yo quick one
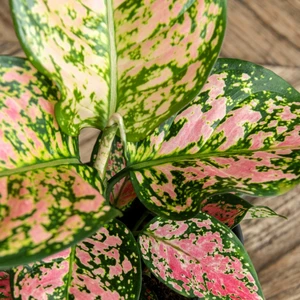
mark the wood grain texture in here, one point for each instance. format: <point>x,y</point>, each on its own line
<point>9,44</point>
<point>265,32</point>
<point>274,246</point>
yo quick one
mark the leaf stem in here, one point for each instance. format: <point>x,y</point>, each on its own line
<point>69,278</point>
<point>141,220</point>
<point>112,181</point>
<point>136,233</point>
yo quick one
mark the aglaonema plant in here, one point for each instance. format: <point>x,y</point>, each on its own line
<point>183,136</point>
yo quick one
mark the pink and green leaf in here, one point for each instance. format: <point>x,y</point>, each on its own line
<point>136,59</point>
<point>29,133</point>
<point>48,201</point>
<point>5,290</point>
<point>241,134</point>
<point>106,265</point>
<point>231,209</point>
<point>199,257</point>
<point>46,210</point>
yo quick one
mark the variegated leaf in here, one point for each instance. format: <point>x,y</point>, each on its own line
<point>261,212</point>
<point>29,133</point>
<point>48,209</point>
<point>105,266</point>
<point>48,200</point>
<point>199,257</point>
<point>143,60</point>
<point>231,209</point>
<point>5,290</point>
<point>240,135</point>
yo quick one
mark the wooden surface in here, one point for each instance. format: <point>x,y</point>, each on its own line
<point>265,32</point>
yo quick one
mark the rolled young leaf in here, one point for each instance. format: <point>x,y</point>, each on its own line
<point>142,60</point>
<point>48,201</point>
<point>240,135</point>
<point>199,257</point>
<point>104,266</point>
<point>231,209</point>
<point>122,193</point>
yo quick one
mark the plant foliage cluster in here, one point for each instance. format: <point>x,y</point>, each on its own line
<point>183,136</point>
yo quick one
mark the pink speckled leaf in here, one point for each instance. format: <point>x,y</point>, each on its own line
<point>231,209</point>
<point>199,257</point>
<point>240,135</point>
<point>144,60</point>
<point>105,266</point>
<point>29,133</point>
<point>5,290</point>
<point>48,200</point>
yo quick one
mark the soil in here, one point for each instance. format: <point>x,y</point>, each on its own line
<point>161,291</point>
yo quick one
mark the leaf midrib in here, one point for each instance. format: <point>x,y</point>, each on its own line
<point>175,158</point>
<point>135,166</point>
<point>52,163</point>
<point>160,239</point>
<point>69,278</point>
<point>112,59</point>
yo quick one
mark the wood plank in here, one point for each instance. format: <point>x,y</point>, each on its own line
<point>264,31</point>
<point>7,32</point>
<point>9,44</point>
<point>281,280</point>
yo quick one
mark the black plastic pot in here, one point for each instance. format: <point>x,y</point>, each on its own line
<point>237,230</point>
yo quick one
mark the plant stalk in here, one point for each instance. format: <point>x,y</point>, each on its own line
<point>112,181</point>
<point>140,221</point>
